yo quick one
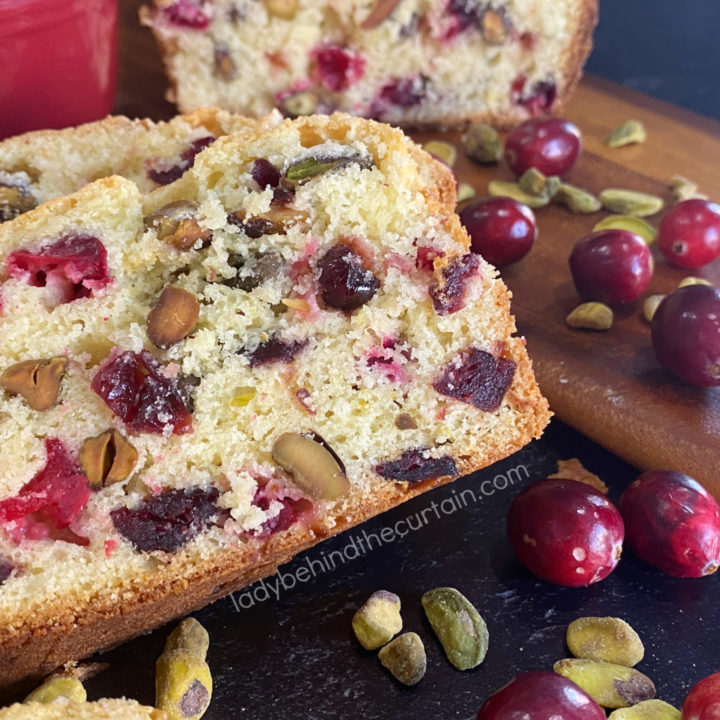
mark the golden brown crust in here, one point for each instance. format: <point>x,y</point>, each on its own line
<point>77,626</point>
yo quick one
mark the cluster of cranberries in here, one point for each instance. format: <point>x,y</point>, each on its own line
<point>503,230</point>
<point>546,696</point>
<point>570,534</point>
<point>613,266</point>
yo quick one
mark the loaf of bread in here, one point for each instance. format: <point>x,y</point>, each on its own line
<point>67,710</point>
<point>408,62</point>
<point>44,164</point>
<point>198,384</point>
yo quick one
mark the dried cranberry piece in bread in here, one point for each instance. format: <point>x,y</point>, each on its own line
<point>167,521</point>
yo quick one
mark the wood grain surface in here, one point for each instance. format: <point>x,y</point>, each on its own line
<point>607,385</point>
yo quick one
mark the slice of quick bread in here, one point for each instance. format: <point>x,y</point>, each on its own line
<point>67,710</point>
<point>407,62</point>
<point>40,165</point>
<point>197,385</point>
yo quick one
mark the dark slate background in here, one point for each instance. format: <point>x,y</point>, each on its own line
<point>665,48</point>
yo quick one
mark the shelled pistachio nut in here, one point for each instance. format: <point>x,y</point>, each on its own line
<point>533,182</point>
<point>638,226</point>
<point>189,635</point>
<point>55,688</point>
<point>377,620</point>
<point>607,639</point>
<point>465,192</point>
<point>590,316</point>
<point>183,685</point>
<point>631,131</point>
<point>650,306</point>
<point>405,658</point>
<point>630,202</point>
<point>499,188</point>
<point>458,625</point>
<point>646,710</point>
<point>690,280</point>
<point>481,143</point>
<point>298,104</point>
<point>685,189</point>
<point>610,685</point>
<point>440,149</point>
<point>576,199</point>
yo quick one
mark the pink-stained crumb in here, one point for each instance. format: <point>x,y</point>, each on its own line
<point>110,546</point>
<point>171,370</point>
<point>390,360</point>
<point>398,262</point>
<point>441,413</point>
<point>295,506</point>
<point>313,313</point>
<point>360,246</point>
<point>311,246</point>
<point>426,255</point>
<point>306,401</point>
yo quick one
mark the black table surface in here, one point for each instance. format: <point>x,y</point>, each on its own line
<point>284,647</point>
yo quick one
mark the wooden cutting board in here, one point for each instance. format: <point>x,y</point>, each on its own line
<point>607,385</point>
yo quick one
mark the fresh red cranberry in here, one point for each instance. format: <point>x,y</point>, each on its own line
<point>448,296</point>
<point>134,387</point>
<point>565,532</point>
<point>672,523</point>
<point>703,700</point>
<point>165,175</point>
<point>540,695</point>
<point>478,378</point>
<point>337,68</point>
<point>265,174</point>
<point>405,92</point>
<point>47,504</point>
<point>169,520</point>
<point>540,98</point>
<point>549,144</point>
<point>73,266</point>
<point>345,283</point>
<point>611,266</point>
<point>187,13</point>
<point>686,334</point>
<point>501,230</point>
<point>274,349</point>
<point>689,233</point>
<point>416,465</point>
